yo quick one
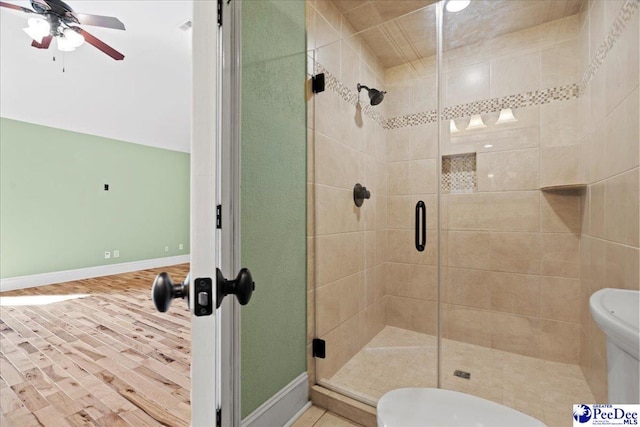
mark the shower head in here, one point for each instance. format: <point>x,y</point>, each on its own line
<point>375,96</point>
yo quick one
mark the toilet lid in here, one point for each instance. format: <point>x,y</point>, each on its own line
<point>432,407</point>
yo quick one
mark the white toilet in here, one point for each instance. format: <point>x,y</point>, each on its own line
<point>433,407</point>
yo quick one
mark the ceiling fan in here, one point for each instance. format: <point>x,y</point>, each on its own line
<point>55,18</point>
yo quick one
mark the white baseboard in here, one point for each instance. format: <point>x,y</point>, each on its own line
<point>22,282</point>
<point>284,407</point>
<point>299,414</point>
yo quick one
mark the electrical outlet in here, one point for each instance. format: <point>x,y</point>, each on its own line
<point>166,248</point>
<point>116,253</point>
<point>181,246</point>
<point>107,255</point>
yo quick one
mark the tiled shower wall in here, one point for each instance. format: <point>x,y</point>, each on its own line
<point>349,147</point>
<point>610,144</point>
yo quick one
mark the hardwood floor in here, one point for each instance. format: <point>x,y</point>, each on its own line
<point>105,359</point>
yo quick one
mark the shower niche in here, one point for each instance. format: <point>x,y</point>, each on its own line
<point>459,173</point>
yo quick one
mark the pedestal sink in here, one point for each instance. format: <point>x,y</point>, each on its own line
<point>617,313</point>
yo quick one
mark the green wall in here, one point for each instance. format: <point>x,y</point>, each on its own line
<point>55,214</point>
<point>273,196</point>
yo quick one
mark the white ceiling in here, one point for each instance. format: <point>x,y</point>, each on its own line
<point>144,99</point>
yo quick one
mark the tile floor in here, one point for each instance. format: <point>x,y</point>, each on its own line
<point>400,358</point>
<point>318,417</point>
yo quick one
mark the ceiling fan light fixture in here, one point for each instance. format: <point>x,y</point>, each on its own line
<point>37,29</point>
<point>74,38</point>
<point>64,45</point>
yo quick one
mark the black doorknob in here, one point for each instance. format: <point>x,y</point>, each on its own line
<point>164,291</point>
<point>242,286</point>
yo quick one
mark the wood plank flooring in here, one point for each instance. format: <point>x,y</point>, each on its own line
<point>107,359</point>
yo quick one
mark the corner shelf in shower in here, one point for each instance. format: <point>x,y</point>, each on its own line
<point>562,187</point>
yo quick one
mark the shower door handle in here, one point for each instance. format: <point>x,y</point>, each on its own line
<point>421,226</point>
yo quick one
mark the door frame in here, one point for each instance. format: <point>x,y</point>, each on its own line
<point>230,173</point>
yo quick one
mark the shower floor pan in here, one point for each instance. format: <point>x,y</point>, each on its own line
<point>398,358</point>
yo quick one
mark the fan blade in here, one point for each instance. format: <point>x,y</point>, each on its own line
<point>15,7</point>
<point>46,41</point>
<point>96,42</point>
<point>99,21</point>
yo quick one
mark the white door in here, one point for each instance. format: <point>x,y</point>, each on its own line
<point>200,287</point>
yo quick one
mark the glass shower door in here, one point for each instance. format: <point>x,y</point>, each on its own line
<point>511,228</point>
<point>374,286</point>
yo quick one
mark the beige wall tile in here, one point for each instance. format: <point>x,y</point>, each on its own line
<point>559,123</point>
<point>508,170</point>
<point>375,284</point>
<point>515,74</point>
<point>336,212</point>
<point>516,334</point>
<point>337,164</point>
<point>559,64</point>
<point>561,212</point>
<point>621,133</point>
<point>327,308</point>
<point>621,65</point>
<point>596,143</point>
<point>560,165</point>
<point>622,208</point>
<point>351,296</point>
<point>411,280</point>
<point>512,211</point>
<point>399,311</point>
<point>469,288</point>
<point>466,324</point>
<point>338,255</point>
<point>598,384</point>
<point>561,297</point>
<point>401,247</point>
<point>596,209</point>
<point>560,255</point>
<point>328,103</point>
<point>515,293</point>
<point>401,211</point>
<point>470,249</point>
<point>560,341</point>
<point>329,55</point>
<point>515,252</point>
<point>622,266</point>
<point>350,63</point>
<point>468,84</point>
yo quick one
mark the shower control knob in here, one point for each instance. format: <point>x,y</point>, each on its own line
<point>164,291</point>
<point>359,194</point>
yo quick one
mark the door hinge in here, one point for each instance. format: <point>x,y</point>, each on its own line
<point>319,348</point>
<point>317,83</point>
<point>219,418</point>
<point>219,13</point>
<point>219,216</point>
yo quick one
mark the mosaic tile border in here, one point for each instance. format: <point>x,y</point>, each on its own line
<point>628,9</point>
<point>521,100</point>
